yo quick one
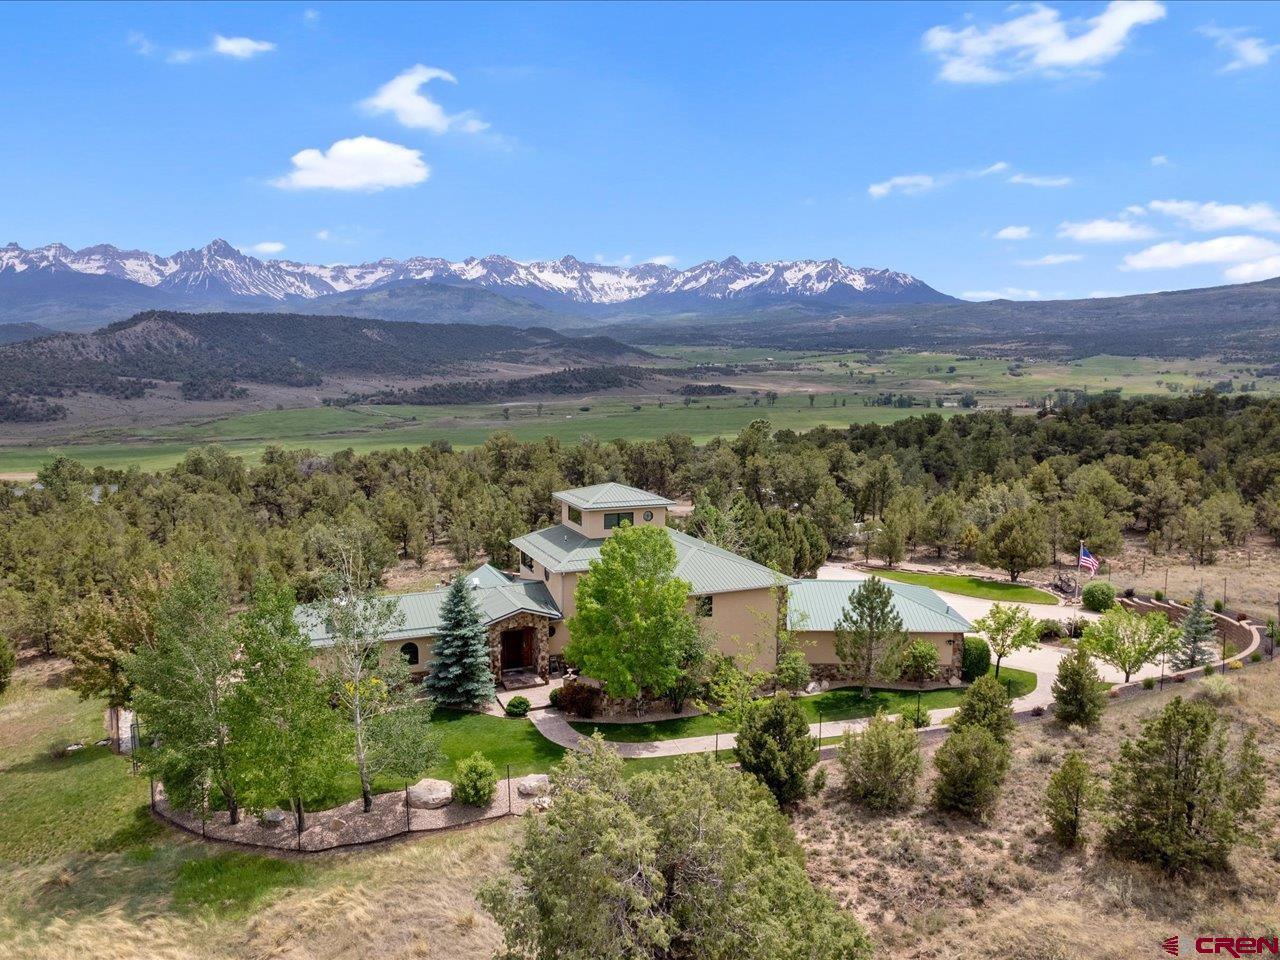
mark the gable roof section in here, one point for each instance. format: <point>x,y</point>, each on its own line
<point>707,569</point>
<point>818,604</point>
<point>610,496</point>
<point>420,612</point>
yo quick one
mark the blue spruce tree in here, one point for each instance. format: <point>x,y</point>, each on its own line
<point>1199,635</point>
<point>461,674</point>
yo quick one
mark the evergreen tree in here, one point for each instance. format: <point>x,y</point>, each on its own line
<point>1073,790</point>
<point>461,666</point>
<point>986,704</point>
<point>869,633</point>
<point>1199,635</point>
<point>774,746</point>
<point>1077,690</point>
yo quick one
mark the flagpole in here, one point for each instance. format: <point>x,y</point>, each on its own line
<point>1079,558</point>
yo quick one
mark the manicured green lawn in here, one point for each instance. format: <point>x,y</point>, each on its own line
<point>846,703</point>
<point>970,586</point>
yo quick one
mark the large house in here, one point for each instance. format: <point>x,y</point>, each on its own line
<point>735,599</point>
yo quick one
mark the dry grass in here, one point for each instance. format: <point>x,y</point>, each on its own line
<point>929,885</point>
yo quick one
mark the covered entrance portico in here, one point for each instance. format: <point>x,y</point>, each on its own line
<point>518,647</point>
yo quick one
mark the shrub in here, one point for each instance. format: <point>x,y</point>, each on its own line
<point>1218,606</point>
<point>1178,799</point>
<point>1075,627</point>
<point>1255,657</point>
<point>1077,697</point>
<point>476,782</point>
<point>1050,630</point>
<point>920,662</point>
<point>518,706</point>
<point>1159,595</point>
<point>976,660</point>
<point>8,660</point>
<point>1129,593</point>
<point>1148,683</point>
<point>1209,669</point>
<point>1072,790</point>
<point>580,699</point>
<point>881,765</point>
<point>774,746</point>
<point>1235,665</point>
<point>1217,689</point>
<point>793,672</point>
<point>1098,596</point>
<point>971,765</point>
<point>986,704</point>
<point>555,697</point>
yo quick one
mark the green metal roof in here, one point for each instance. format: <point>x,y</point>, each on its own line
<point>707,569</point>
<point>818,604</point>
<point>421,611</point>
<point>611,496</point>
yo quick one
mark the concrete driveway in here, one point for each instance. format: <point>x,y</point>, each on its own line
<point>1043,662</point>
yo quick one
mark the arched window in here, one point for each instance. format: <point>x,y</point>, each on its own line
<point>410,653</point>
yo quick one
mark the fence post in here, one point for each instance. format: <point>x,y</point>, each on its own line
<point>717,750</point>
<point>408,827</point>
<point>819,709</point>
<point>510,800</point>
<point>153,793</point>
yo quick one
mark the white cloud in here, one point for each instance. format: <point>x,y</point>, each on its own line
<point>1052,259</point>
<point>905,183</point>
<point>1013,233</point>
<point>141,45</point>
<point>358,163</point>
<point>1159,160</point>
<point>267,246</point>
<point>1034,181</point>
<point>1037,42</point>
<point>310,15</point>
<point>1263,269</point>
<point>1246,52</point>
<point>664,259</point>
<point>240,48</point>
<point>1220,216</point>
<point>1105,231</point>
<point>912,183</point>
<point>403,97</point>
<point>1008,293</point>
<point>1175,253</point>
<point>323,234</point>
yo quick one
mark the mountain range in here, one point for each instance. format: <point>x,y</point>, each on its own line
<point>70,289</point>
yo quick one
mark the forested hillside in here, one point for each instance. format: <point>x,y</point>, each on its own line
<point>1190,474</point>
<point>291,349</point>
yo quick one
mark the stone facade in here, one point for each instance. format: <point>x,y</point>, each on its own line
<point>541,646</point>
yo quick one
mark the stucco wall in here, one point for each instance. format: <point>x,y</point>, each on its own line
<point>743,625</point>
<point>593,520</point>
<point>820,649</point>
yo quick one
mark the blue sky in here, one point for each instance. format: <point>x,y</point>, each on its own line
<point>1130,147</point>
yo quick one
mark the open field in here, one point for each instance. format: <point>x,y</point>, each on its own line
<point>835,389</point>
<point>932,885</point>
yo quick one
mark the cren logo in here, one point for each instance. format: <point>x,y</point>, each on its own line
<point>1171,946</point>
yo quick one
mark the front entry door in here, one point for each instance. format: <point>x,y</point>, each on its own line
<point>517,649</point>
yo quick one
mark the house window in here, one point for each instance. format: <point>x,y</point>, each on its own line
<point>703,605</point>
<point>410,653</point>
<point>575,516</point>
<point>648,516</point>
<point>526,561</point>
<point>612,520</point>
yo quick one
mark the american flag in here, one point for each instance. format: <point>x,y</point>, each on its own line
<point>1087,560</point>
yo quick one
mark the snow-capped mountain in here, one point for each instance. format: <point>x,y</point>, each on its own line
<point>219,273</point>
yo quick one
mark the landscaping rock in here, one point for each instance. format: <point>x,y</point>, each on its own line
<point>271,819</point>
<point>953,681</point>
<point>812,687</point>
<point>430,794</point>
<point>534,785</point>
<point>541,804</point>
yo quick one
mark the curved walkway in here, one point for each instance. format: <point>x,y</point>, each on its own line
<point>1043,662</point>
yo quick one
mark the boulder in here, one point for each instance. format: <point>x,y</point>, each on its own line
<point>953,681</point>
<point>541,804</point>
<point>534,785</point>
<point>812,687</point>
<point>271,819</point>
<point>430,794</point>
